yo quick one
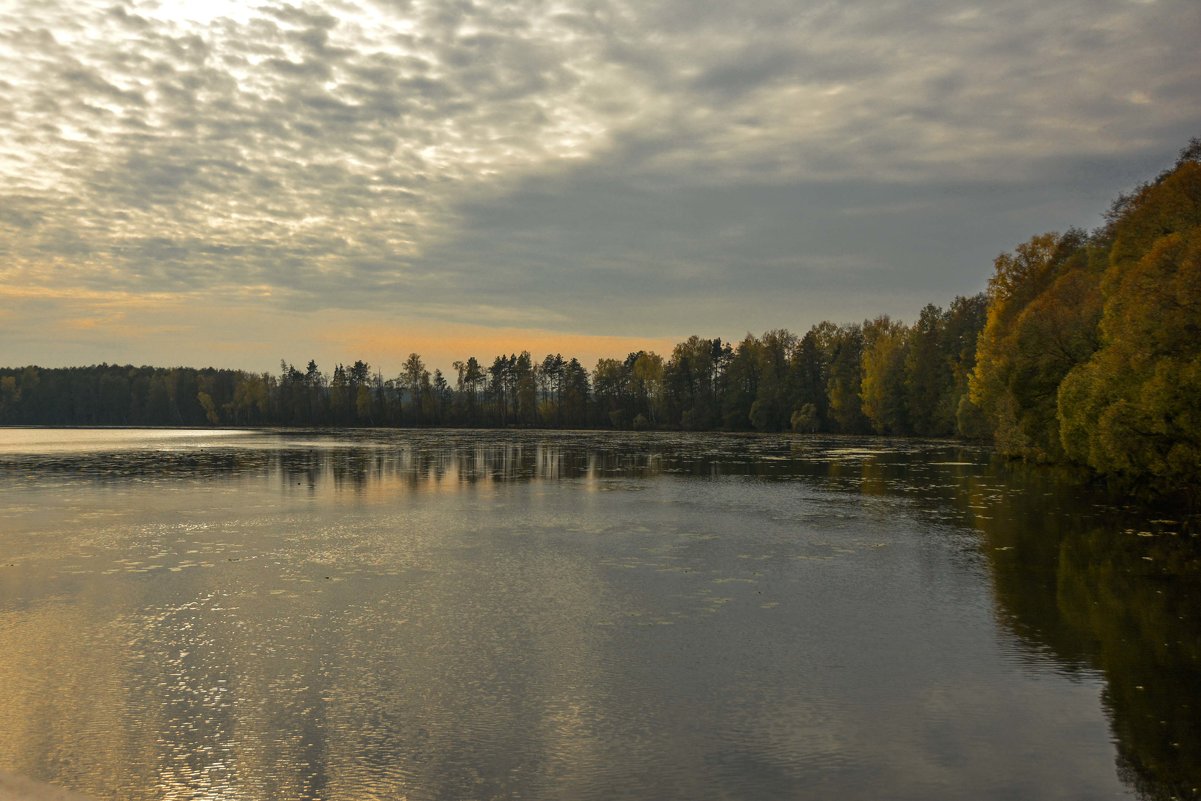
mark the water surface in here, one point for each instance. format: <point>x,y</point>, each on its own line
<point>421,615</point>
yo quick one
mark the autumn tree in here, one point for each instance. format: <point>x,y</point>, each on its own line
<point>646,386</point>
<point>1134,409</point>
<point>882,383</point>
<point>810,364</point>
<point>611,391</point>
<point>844,380</point>
<point>928,379</point>
<point>964,321</point>
<point>1042,319</point>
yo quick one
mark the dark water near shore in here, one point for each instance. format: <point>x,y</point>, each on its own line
<point>452,615</point>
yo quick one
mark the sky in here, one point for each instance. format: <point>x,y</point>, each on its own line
<point>211,182</point>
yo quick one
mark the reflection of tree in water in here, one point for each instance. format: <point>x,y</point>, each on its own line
<point>355,459</point>
<point>466,460</point>
<point>1107,589</point>
<point>1138,596</point>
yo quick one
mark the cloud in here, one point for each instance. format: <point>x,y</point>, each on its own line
<point>667,159</point>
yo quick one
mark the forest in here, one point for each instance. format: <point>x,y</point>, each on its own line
<point>1085,349</point>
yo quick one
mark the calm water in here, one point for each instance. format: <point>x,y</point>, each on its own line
<point>454,615</point>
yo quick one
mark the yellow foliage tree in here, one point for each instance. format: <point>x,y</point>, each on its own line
<point>1044,306</point>
<point>1135,408</point>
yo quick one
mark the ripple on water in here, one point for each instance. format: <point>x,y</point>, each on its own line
<point>462,614</point>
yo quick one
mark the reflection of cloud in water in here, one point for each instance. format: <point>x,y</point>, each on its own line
<point>37,441</point>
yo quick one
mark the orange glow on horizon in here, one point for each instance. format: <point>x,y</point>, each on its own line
<point>236,331</point>
<point>440,344</point>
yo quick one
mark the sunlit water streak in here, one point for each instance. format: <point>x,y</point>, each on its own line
<point>352,615</point>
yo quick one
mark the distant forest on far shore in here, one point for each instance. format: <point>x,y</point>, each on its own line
<point>1086,349</point>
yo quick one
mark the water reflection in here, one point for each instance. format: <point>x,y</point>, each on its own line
<point>359,459</point>
<point>310,615</point>
<point>1115,590</point>
<point>1096,584</point>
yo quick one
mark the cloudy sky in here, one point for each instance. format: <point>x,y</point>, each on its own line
<point>218,182</point>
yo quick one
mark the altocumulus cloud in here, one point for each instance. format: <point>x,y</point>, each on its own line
<point>593,166</point>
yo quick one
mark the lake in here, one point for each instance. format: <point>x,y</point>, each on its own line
<point>538,615</point>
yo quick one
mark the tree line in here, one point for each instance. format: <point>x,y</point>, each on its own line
<point>878,375</point>
<point>1085,349</point>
